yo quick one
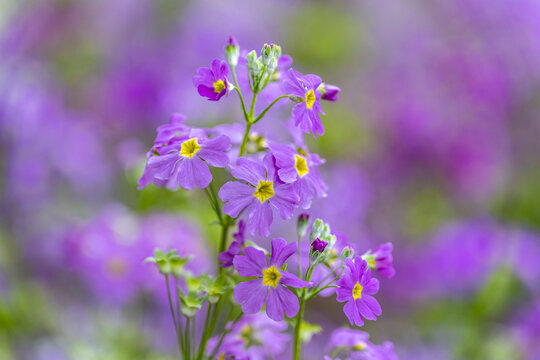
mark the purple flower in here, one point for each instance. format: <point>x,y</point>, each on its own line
<point>318,245</point>
<point>356,345</point>
<point>212,83</point>
<point>329,92</point>
<point>269,284</point>
<point>259,196</point>
<point>356,287</point>
<point>300,168</point>
<point>305,113</point>
<point>185,162</point>
<point>248,339</point>
<point>381,260</point>
<point>227,257</point>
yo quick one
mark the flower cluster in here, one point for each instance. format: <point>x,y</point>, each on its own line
<point>267,178</point>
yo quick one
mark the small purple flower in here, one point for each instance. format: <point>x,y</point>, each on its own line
<point>356,287</point>
<point>259,196</point>
<point>329,92</point>
<point>381,260</point>
<point>212,83</point>
<point>299,167</point>
<point>355,344</point>
<point>227,257</point>
<point>269,284</point>
<point>306,112</point>
<point>318,245</point>
<point>185,162</point>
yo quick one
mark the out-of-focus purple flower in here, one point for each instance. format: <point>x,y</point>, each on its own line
<point>329,92</point>
<point>356,287</point>
<point>185,162</point>
<point>318,245</point>
<point>212,82</point>
<point>300,168</point>
<point>269,284</point>
<point>306,112</point>
<point>108,252</point>
<point>235,248</point>
<point>248,339</point>
<point>381,260</point>
<point>355,345</point>
<point>259,196</point>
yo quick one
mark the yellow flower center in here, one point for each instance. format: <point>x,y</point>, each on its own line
<point>265,190</point>
<point>357,291</point>
<point>219,86</point>
<point>301,166</point>
<point>359,346</point>
<point>189,148</point>
<point>271,276</point>
<point>310,99</point>
<point>221,356</point>
<point>371,263</point>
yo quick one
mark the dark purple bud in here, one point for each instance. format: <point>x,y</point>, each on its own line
<point>330,92</point>
<point>302,224</point>
<point>232,41</point>
<point>318,245</point>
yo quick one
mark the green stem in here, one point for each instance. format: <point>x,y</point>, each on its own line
<point>173,315</point>
<point>298,257</point>
<point>205,334</point>
<point>297,342</point>
<point>261,115</point>
<point>245,139</point>
<point>187,355</point>
<point>244,112</point>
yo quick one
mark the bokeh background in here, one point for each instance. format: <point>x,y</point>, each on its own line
<point>434,146</point>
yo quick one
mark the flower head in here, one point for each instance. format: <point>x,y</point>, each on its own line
<point>356,287</point>
<point>355,344</point>
<point>212,82</point>
<point>258,196</point>
<point>306,112</point>
<point>381,260</point>
<point>185,162</point>
<point>301,168</point>
<point>270,284</point>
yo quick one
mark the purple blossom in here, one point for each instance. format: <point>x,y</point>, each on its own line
<point>259,196</point>
<point>305,113</point>
<point>299,167</point>
<point>356,287</point>
<point>185,162</point>
<point>269,284</point>
<point>356,346</point>
<point>329,92</point>
<point>235,248</point>
<point>212,82</point>
<point>248,339</point>
<point>318,245</point>
<point>381,260</point>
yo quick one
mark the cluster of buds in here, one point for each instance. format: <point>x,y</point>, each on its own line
<point>262,68</point>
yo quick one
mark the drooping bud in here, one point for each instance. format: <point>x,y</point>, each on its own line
<point>329,92</point>
<point>302,225</point>
<point>232,52</point>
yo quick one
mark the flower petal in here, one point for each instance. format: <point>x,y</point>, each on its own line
<point>281,252</point>
<point>248,170</point>
<point>237,196</point>
<point>291,280</point>
<point>250,264</point>
<point>260,218</point>
<point>251,294</point>
<point>373,304</point>
<point>201,173</point>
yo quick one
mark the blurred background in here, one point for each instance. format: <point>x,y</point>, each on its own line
<point>434,146</point>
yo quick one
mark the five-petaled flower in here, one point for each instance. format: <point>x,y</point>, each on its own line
<point>356,287</point>
<point>306,112</point>
<point>270,284</point>
<point>185,162</point>
<point>301,168</point>
<point>259,196</point>
<point>212,82</point>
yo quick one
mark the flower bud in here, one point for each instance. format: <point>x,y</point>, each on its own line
<point>329,92</point>
<point>232,52</point>
<point>266,54</point>
<point>302,225</point>
<point>251,59</point>
<point>318,245</point>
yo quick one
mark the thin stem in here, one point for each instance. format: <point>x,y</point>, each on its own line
<point>179,313</point>
<point>187,355</point>
<point>299,316</point>
<point>205,334</point>
<point>261,115</point>
<point>298,257</point>
<point>252,108</point>
<point>241,99</point>
<point>245,139</point>
<point>173,315</point>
